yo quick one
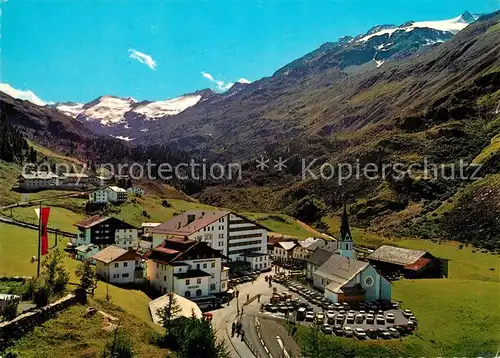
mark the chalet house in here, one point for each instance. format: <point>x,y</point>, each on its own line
<point>187,267</point>
<point>305,248</point>
<point>395,261</point>
<point>85,252</point>
<point>134,190</point>
<point>78,180</point>
<point>117,265</point>
<point>110,194</point>
<point>232,234</point>
<point>283,251</point>
<point>104,231</point>
<point>37,180</point>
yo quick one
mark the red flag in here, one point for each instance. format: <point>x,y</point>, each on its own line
<point>44,219</point>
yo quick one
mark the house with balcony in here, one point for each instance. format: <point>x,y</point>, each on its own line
<point>239,239</point>
<point>187,267</point>
<point>104,231</point>
<point>120,266</point>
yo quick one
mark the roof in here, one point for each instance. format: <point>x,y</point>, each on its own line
<point>74,175</point>
<point>181,249</point>
<point>331,246</point>
<point>419,264</point>
<point>319,257</point>
<point>287,245</point>
<point>98,219</point>
<point>117,189</point>
<point>180,225</point>
<point>86,248</point>
<point>396,255</point>
<point>339,270</point>
<point>150,224</point>
<point>111,253</point>
<point>312,243</point>
<point>39,175</point>
<point>191,274</point>
<point>91,221</point>
<point>187,307</point>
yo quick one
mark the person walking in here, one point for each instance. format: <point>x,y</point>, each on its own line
<point>233,328</point>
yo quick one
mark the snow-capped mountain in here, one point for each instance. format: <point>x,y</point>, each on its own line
<point>119,117</point>
<point>380,44</point>
<point>127,118</point>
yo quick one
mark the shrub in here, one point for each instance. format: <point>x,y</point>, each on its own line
<point>41,294</point>
<point>9,311</point>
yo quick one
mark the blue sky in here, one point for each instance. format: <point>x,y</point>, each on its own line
<point>79,50</point>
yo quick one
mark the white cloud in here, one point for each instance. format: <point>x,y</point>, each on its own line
<point>243,80</point>
<point>142,58</point>
<point>221,85</point>
<point>26,95</point>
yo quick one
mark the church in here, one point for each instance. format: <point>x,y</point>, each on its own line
<point>343,278</point>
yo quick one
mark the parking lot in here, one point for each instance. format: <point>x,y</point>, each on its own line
<point>373,320</point>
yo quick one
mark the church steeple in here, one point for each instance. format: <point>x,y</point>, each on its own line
<point>346,246</point>
<point>345,232</point>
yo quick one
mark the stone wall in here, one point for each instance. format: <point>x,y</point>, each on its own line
<point>13,330</point>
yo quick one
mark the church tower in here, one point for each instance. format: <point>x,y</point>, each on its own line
<point>346,246</point>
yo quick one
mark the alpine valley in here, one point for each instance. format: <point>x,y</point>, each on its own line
<point>395,94</point>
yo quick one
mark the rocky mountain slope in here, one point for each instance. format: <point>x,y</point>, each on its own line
<point>128,119</point>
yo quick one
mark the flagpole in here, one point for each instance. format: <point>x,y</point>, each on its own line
<point>39,239</point>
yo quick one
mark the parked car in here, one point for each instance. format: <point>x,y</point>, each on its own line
<point>380,319</point>
<point>350,318</point>
<point>320,317</point>
<point>390,317</point>
<point>330,317</point>
<point>360,333</point>
<point>370,319</point>
<point>301,314</point>
<point>340,318</point>
<point>337,306</point>
<point>348,332</point>
<point>360,318</point>
<point>310,316</point>
<point>407,313</point>
<point>393,332</point>
<point>395,305</point>
<point>327,329</point>
<point>372,333</point>
<point>384,333</point>
<point>402,329</point>
<point>337,329</point>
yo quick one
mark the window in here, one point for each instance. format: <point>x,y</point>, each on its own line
<point>197,266</point>
<point>164,278</point>
<point>124,274</point>
<point>125,264</point>
<point>212,287</point>
<point>198,281</point>
<point>198,292</point>
<point>187,283</point>
<point>116,264</point>
<point>187,294</point>
<point>213,264</point>
<point>223,285</point>
<point>204,266</point>
<point>221,236</point>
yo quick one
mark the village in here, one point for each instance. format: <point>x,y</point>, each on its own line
<point>225,267</point>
